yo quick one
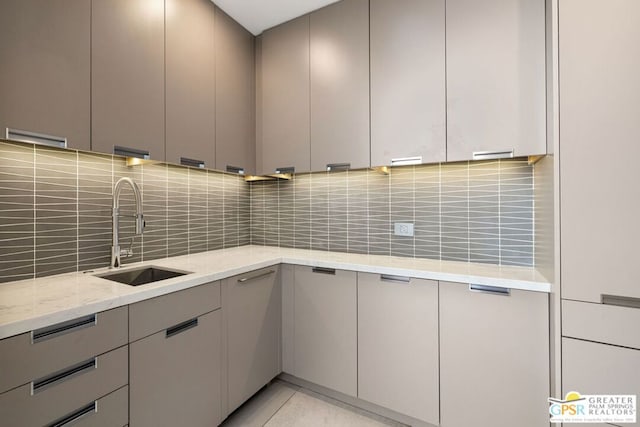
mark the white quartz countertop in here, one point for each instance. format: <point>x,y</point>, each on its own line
<point>31,304</point>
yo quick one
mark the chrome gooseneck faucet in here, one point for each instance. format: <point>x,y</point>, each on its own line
<point>116,253</point>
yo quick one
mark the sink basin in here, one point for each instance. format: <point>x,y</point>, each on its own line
<point>141,276</point>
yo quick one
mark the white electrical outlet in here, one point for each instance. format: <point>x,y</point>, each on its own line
<point>403,229</point>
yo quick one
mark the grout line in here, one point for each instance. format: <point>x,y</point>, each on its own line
<point>280,407</point>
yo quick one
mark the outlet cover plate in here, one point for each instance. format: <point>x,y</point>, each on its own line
<point>403,229</point>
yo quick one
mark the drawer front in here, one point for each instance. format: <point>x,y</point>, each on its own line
<point>109,411</point>
<point>594,368</point>
<point>38,353</point>
<point>55,398</point>
<point>153,315</point>
<point>602,323</point>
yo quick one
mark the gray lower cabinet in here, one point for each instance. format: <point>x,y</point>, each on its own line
<point>398,344</point>
<point>595,368</point>
<point>599,107</point>
<point>325,338</point>
<point>339,51</point>
<point>62,372</point>
<point>235,95</point>
<point>496,78</point>
<point>45,75</point>
<point>127,75</point>
<point>408,87</point>
<point>284,97</point>
<point>190,81</point>
<point>493,345</point>
<point>253,306</point>
<point>175,370</point>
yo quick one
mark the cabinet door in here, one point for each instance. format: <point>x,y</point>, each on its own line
<point>398,344</point>
<point>594,368</point>
<point>407,81</point>
<point>285,97</point>
<point>127,80</point>
<point>174,377</point>
<point>493,346</point>
<point>325,331</point>
<point>253,305</point>
<point>340,85</point>
<point>235,95</point>
<point>496,96</point>
<point>190,84</point>
<point>45,72</point>
<point>599,146</point>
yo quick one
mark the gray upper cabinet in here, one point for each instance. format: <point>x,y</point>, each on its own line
<point>235,95</point>
<point>45,72</point>
<point>496,93</point>
<point>285,97</point>
<point>599,107</point>
<point>128,75</point>
<point>339,49</point>
<point>190,84</point>
<point>408,81</point>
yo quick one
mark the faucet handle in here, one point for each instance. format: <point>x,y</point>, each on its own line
<point>126,253</point>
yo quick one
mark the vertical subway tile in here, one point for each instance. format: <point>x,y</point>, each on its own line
<point>128,238</point>
<point>244,211</point>
<point>302,210</point>
<point>454,221</point>
<point>286,209</point>
<point>379,213</point>
<point>271,214</point>
<point>56,204</point>
<point>16,211</point>
<point>320,211</point>
<point>358,215</point>
<point>197,210</point>
<point>427,211</point>
<point>338,211</point>
<point>401,202</point>
<point>154,202</point>
<point>178,211</point>
<point>484,212</point>
<point>215,211</point>
<point>257,213</point>
<point>516,213</point>
<point>231,210</point>
<point>95,185</point>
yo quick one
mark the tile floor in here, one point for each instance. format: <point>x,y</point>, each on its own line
<point>282,404</point>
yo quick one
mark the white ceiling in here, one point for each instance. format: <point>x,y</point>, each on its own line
<point>259,15</point>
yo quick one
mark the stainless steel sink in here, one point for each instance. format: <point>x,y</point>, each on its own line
<point>141,276</point>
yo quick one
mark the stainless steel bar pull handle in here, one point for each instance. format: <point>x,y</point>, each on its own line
<point>257,276</point>
<point>62,376</point>
<point>620,301</point>
<point>495,290</point>
<point>58,329</point>
<point>324,270</point>
<point>334,167</point>
<point>286,169</point>
<point>490,155</point>
<point>181,327</point>
<point>91,408</point>
<point>35,138</point>
<point>395,279</point>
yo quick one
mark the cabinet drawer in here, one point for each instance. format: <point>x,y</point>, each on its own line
<point>603,323</point>
<point>38,353</point>
<point>109,411</point>
<point>593,368</point>
<point>62,393</point>
<point>153,315</point>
